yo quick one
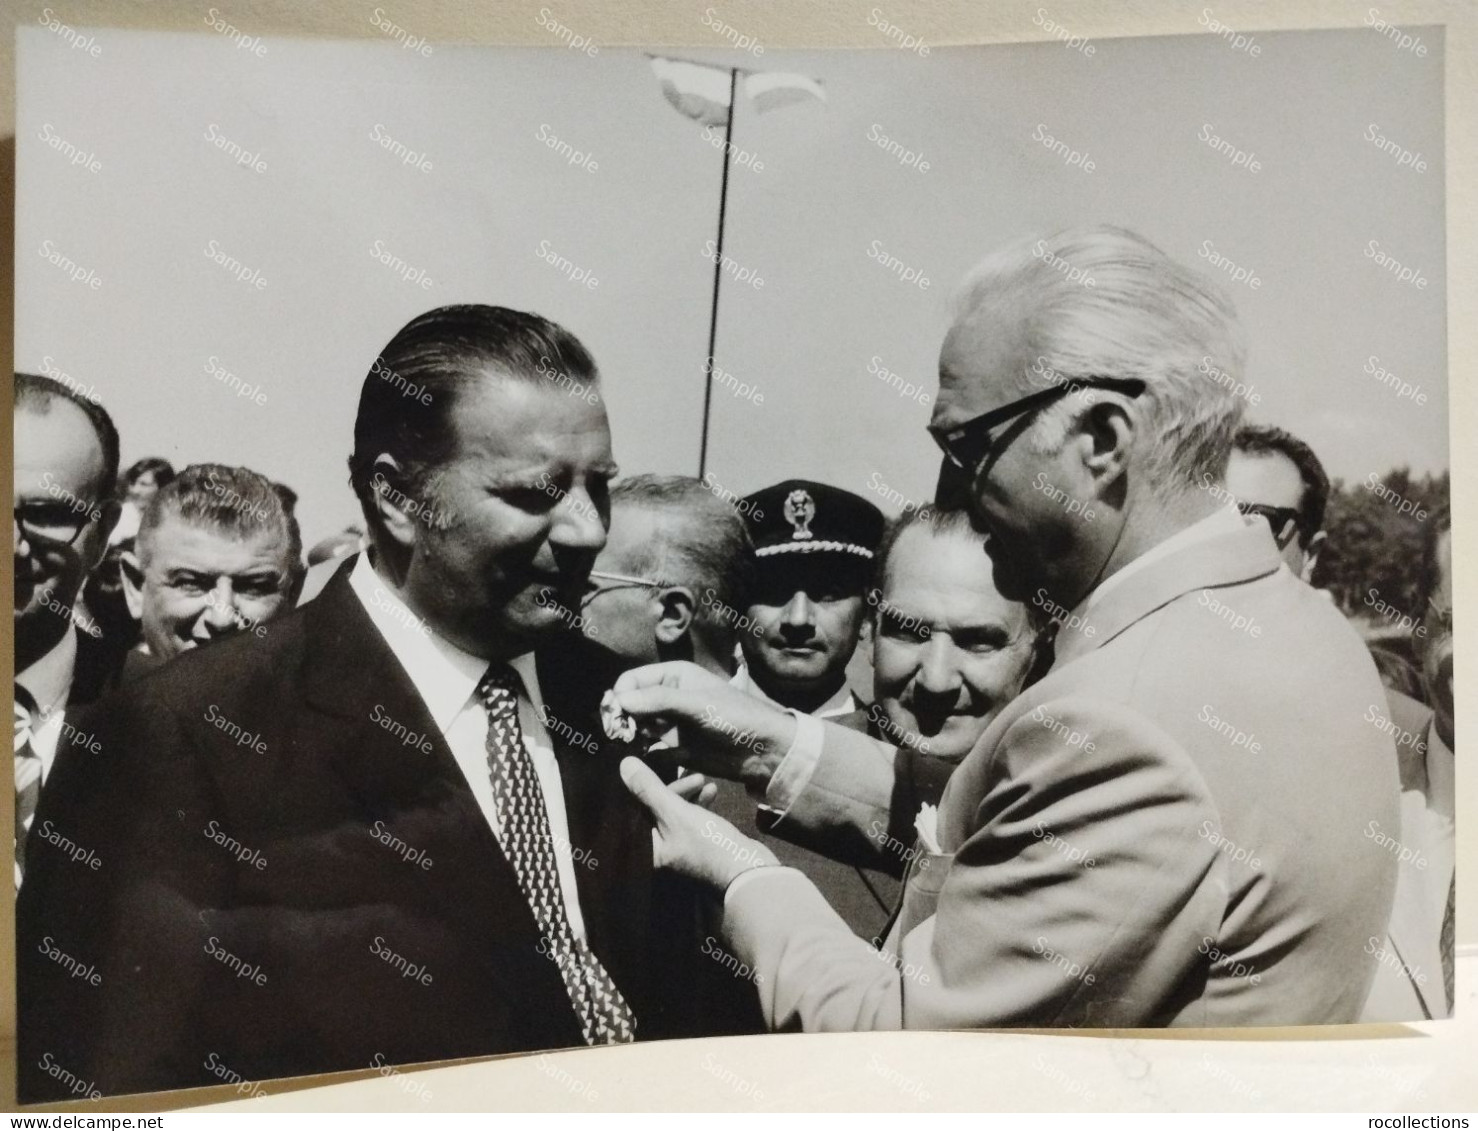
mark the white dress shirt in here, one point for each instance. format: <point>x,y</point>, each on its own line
<point>49,680</point>
<point>446,678</point>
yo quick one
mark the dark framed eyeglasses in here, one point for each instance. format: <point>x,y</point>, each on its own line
<point>968,445</point>
<point>1282,521</point>
<point>55,523</point>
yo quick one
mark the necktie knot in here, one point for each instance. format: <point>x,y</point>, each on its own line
<point>498,687</point>
<point>25,718</point>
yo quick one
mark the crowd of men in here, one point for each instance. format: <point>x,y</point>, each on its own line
<point>1119,763</point>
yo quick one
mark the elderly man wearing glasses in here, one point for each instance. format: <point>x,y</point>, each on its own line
<point>66,458</point>
<point>1166,828</point>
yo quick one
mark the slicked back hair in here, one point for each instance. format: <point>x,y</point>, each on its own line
<point>409,396</point>
<point>1144,317</point>
<point>234,501</point>
<point>940,523</point>
<point>701,542</point>
<point>39,393</point>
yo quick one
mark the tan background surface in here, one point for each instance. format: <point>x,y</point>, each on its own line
<point>1355,1068</point>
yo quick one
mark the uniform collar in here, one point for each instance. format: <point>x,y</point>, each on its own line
<point>842,703</point>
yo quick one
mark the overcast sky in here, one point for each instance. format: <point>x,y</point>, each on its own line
<point>148,107</point>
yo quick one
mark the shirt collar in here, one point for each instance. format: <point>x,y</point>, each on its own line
<point>1223,520</point>
<point>49,679</point>
<point>841,703</point>
<point>444,675</point>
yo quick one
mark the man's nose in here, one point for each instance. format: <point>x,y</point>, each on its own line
<point>578,524</point>
<point>939,674</point>
<point>220,615</point>
<point>799,611</point>
<point>22,543</point>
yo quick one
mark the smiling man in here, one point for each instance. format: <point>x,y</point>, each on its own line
<point>401,707</point>
<point>948,650</point>
<point>217,553</point>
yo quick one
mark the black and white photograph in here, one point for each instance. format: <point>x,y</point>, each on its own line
<point>523,549</point>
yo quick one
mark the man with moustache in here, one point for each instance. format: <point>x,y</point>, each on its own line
<point>676,570</point>
<point>352,841</point>
<point>1415,976</point>
<point>949,652</point>
<point>217,552</point>
<point>813,552</point>
<point>66,458</point>
<point>1165,828</point>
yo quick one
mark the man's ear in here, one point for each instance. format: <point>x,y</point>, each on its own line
<point>392,502</point>
<point>865,637</point>
<point>133,583</point>
<point>1106,432</point>
<point>678,610</point>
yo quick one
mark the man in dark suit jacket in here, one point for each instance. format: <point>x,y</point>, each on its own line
<point>351,840</point>
<point>66,458</point>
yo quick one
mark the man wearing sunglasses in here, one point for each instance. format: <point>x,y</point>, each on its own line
<point>66,458</point>
<point>1165,829</point>
<point>1277,477</point>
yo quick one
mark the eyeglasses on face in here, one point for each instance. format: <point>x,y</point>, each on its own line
<point>968,445</point>
<point>619,581</point>
<point>55,523</point>
<point>1282,521</point>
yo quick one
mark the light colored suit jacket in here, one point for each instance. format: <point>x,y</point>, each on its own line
<point>1165,830</point>
<point>1408,979</point>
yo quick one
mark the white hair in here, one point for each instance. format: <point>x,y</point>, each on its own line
<point>1104,302</point>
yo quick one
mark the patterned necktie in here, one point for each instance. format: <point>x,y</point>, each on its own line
<point>27,772</point>
<point>605,1018</point>
<point>1445,943</point>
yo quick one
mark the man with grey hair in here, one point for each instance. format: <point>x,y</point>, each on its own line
<point>671,584</point>
<point>673,572</point>
<point>1165,829</point>
<point>218,552</point>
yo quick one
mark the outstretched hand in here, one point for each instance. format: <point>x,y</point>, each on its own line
<point>725,732</point>
<point>692,841</point>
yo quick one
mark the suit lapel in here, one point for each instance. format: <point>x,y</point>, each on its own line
<point>352,678</point>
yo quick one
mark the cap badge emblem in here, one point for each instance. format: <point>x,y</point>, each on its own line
<point>800,509</point>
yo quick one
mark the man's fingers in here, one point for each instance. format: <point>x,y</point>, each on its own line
<point>671,673</point>
<point>660,699</point>
<point>648,788</point>
<point>689,787</point>
<point>707,795</point>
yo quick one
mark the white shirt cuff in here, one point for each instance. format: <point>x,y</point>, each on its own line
<point>797,768</point>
